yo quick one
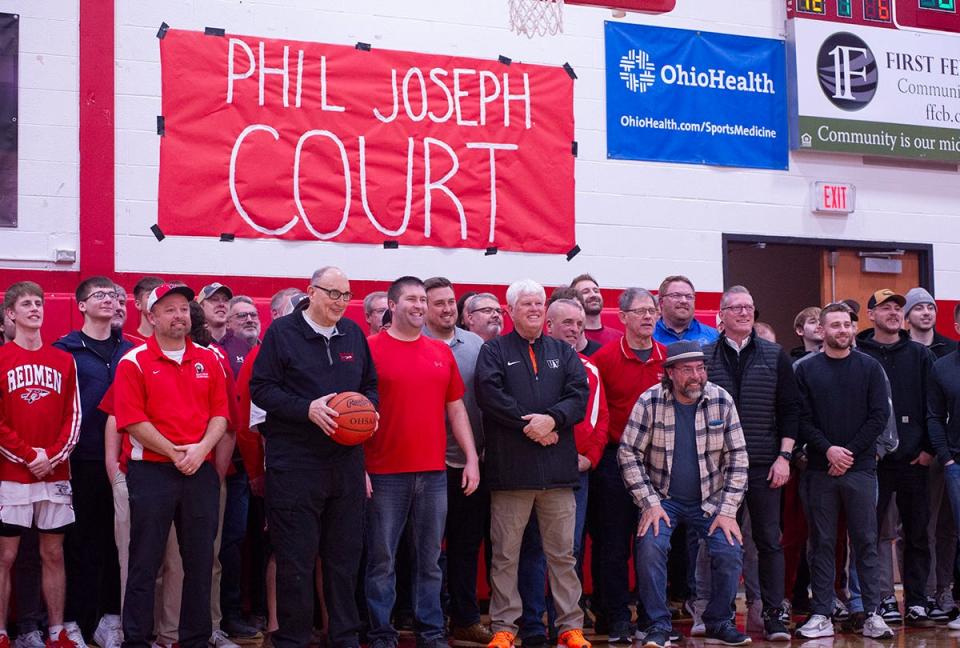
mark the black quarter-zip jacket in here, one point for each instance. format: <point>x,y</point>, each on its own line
<point>297,365</point>
<point>508,388</point>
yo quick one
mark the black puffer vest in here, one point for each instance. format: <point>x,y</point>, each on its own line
<point>756,398</point>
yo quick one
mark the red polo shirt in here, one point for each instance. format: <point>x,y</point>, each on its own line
<point>625,378</point>
<point>179,399</point>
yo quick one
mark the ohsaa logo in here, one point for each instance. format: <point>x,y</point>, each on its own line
<point>33,394</point>
<point>847,71</point>
<point>637,70</point>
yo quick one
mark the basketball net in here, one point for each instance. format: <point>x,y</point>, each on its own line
<point>536,17</point>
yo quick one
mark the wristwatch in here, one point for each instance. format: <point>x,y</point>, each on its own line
<point>787,455</point>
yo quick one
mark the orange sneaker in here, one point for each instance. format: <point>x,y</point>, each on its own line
<point>502,639</point>
<point>572,639</point>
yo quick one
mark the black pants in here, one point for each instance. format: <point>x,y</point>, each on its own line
<point>910,485</point>
<point>160,495</point>
<point>468,520</point>
<point>90,552</point>
<point>763,503</point>
<point>310,512</point>
<point>856,492</point>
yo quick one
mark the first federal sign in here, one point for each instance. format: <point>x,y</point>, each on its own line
<point>675,95</point>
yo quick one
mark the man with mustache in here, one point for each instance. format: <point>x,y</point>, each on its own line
<point>484,316</point>
<point>677,306</point>
<point>683,459</point>
<point>592,299</point>
<point>845,410</point>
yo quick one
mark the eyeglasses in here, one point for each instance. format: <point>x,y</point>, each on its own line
<point>643,310</point>
<point>690,371</point>
<point>680,296</point>
<point>253,315</point>
<point>488,310</point>
<point>334,294</point>
<point>743,308</point>
<point>100,295</point>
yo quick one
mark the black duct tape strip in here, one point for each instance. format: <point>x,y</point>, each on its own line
<point>505,60</point>
<point>574,251</point>
<point>364,47</point>
<point>391,245</point>
<point>163,30</point>
<point>574,148</point>
<point>161,128</point>
<point>214,31</point>
<point>227,237</point>
<point>569,69</point>
<point>157,232</point>
<point>490,251</point>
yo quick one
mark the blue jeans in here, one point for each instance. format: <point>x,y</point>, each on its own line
<point>532,573</point>
<point>651,563</point>
<point>417,499</point>
<point>231,542</point>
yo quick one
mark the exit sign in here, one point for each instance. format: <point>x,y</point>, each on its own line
<point>833,197</point>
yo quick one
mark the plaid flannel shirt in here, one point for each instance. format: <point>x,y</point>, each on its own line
<point>646,450</point>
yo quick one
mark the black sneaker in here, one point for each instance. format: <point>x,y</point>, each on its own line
<point>726,634</point>
<point>917,617</point>
<point>853,624</point>
<point>773,627</point>
<point>890,611</point>
<point>620,633</point>
<point>656,639</point>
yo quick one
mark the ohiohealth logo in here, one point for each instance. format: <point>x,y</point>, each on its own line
<point>637,70</point>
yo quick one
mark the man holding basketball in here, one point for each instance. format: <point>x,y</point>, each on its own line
<point>315,487</point>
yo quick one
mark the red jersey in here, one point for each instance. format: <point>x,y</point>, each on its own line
<point>590,434</point>
<point>603,335</point>
<point>250,443</point>
<point>39,408</point>
<point>625,378</point>
<point>135,338</point>
<point>179,399</point>
<point>415,380</point>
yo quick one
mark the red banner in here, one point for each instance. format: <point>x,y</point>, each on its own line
<point>266,138</point>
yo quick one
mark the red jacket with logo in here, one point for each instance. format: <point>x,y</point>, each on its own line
<point>179,399</point>
<point>590,434</point>
<point>625,378</point>
<point>39,408</point>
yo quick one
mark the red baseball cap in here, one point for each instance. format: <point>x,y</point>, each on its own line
<point>165,289</point>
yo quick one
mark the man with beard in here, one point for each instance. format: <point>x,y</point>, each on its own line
<point>243,331</point>
<point>683,459</point>
<point>592,299</point>
<point>904,471</point>
<point>845,410</point>
<point>920,311</point>
<point>807,327</point>
<point>420,389</point>
<point>484,316</point>
<point>468,516</point>
<point>677,307</point>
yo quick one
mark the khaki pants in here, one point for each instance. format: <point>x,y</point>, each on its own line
<point>170,579</point>
<point>556,511</point>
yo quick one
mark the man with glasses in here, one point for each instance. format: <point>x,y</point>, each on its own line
<point>677,307</point>
<point>93,568</point>
<point>484,316</point>
<point>628,367</point>
<point>374,306</point>
<point>243,331</point>
<point>683,459</point>
<point>759,376</point>
<point>315,487</point>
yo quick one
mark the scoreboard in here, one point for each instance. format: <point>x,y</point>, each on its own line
<point>908,15</point>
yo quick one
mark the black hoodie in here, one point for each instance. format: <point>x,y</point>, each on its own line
<point>907,365</point>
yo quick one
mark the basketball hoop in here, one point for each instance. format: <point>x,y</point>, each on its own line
<point>536,17</point>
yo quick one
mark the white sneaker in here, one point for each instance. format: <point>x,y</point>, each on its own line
<point>29,640</point>
<point>108,633</point>
<point>73,631</point>
<point>220,640</point>
<point>816,626</point>
<point>875,627</point>
<point>955,624</point>
<point>698,629</point>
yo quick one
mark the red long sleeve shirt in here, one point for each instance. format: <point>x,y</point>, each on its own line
<point>625,378</point>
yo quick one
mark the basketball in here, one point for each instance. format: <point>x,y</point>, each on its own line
<point>357,420</point>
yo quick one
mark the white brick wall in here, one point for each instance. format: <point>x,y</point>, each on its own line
<point>48,177</point>
<point>636,221</point>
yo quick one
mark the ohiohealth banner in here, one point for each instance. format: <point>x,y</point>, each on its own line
<point>266,138</point>
<point>675,95</point>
